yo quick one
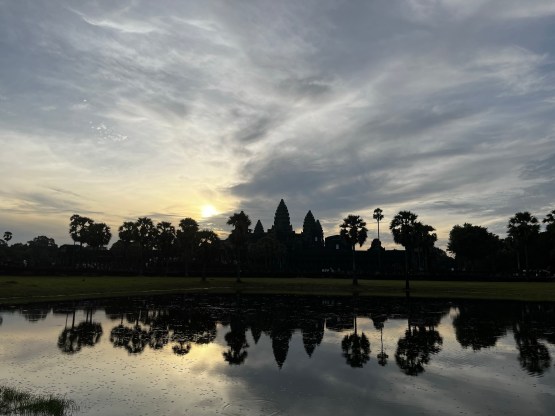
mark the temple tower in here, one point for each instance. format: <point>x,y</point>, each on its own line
<point>313,234</point>
<point>282,224</point>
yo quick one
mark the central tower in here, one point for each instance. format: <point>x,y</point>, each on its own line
<point>282,223</point>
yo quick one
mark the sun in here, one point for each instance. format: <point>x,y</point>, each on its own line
<point>208,211</point>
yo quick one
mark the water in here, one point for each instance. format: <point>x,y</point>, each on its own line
<point>263,355</point>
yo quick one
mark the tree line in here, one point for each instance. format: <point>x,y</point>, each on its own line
<point>144,246</point>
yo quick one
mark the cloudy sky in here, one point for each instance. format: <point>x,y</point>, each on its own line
<point>121,109</point>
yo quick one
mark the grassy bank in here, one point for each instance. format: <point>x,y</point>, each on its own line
<point>23,289</point>
<point>15,402</point>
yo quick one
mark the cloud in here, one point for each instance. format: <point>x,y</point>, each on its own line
<point>339,107</point>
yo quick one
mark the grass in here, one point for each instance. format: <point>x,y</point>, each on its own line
<point>15,402</point>
<point>25,289</point>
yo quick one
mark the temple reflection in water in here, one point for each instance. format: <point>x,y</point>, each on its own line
<point>182,323</point>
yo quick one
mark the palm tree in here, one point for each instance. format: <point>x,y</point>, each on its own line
<point>239,237</point>
<point>549,220</point>
<point>164,241</point>
<point>187,237</point>
<point>522,227</point>
<point>128,234</point>
<point>207,240</point>
<point>378,217</point>
<point>99,235</point>
<point>425,239</point>
<point>403,229</point>
<point>146,237</point>
<point>354,231</point>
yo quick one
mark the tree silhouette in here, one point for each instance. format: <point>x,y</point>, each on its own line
<point>99,235</point>
<point>472,244</point>
<point>549,222</point>
<point>128,236</point>
<point>43,250</point>
<point>128,232</point>
<point>165,238</point>
<point>208,242</point>
<point>354,231</point>
<point>187,237</point>
<point>522,228</point>
<point>424,242</point>
<point>378,216</point>
<point>402,227</point>
<point>147,234</point>
<point>79,228</point>
<point>7,236</point>
<point>239,237</point>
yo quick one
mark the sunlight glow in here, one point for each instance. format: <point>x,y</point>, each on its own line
<point>208,211</point>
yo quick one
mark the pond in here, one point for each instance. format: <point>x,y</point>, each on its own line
<point>284,355</point>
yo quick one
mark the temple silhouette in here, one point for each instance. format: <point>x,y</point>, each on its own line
<point>281,250</point>
<point>162,249</point>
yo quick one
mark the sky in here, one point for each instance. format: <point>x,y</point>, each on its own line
<point>174,109</point>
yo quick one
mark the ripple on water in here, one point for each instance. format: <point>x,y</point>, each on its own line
<point>251,407</point>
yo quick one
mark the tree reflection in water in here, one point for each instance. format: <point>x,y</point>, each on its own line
<point>134,338</point>
<point>421,339</point>
<point>236,340</point>
<point>528,329</point>
<point>379,321</point>
<point>183,346</point>
<point>478,326</point>
<point>188,321</point>
<point>86,333</point>
<point>356,348</point>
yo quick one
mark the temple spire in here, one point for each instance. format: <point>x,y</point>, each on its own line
<point>282,223</point>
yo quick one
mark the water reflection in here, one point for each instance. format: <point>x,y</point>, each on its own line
<point>86,333</point>
<point>421,339</point>
<point>182,322</point>
<point>528,330</point>
<point>379,322</point>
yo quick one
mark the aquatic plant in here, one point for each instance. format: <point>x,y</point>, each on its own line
<point>16,402</point>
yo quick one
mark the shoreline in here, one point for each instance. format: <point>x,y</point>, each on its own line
<point>34,289</point>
